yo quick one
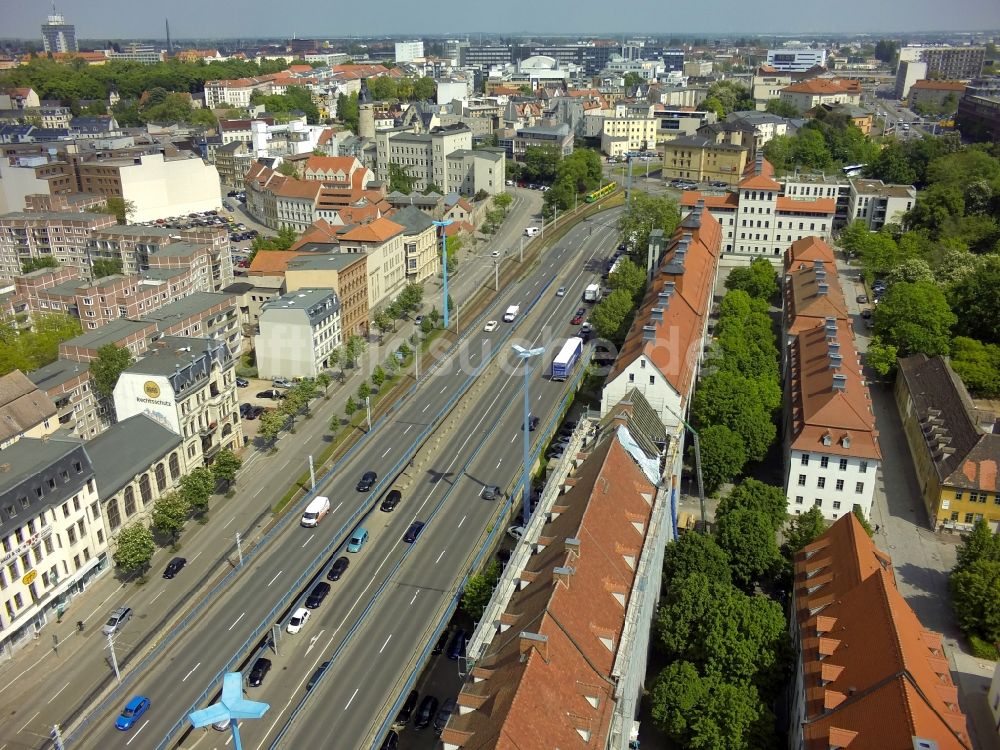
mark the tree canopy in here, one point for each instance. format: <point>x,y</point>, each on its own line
<point>759,279</point>
<point>27,349</point>
<point>112,360</point>
<point>915,318</point>
<point>747,536</point>
<point>648,212</point>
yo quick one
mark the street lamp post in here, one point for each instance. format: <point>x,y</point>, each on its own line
<point>444,265</point>
<point>496,275</point>
<point>521,259</point>
<point>526,355</point>
<point>114,658</point>
<point>368,409</point>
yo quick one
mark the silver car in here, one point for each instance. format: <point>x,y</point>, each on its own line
<point>117,620</point>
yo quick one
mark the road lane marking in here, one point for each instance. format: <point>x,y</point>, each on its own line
<point>57,693</point>
<point>462,521</point>
<point>414,596</point>
<point>37,713</point>
<point>385,644</point>
<point>156,597</point>
<point>195,557</point>
<point>439,557</point>
<point>443,389</point>
<point>275,577</point>
<point>237,620</point>
<point>408,429</point>
<point>499,462</point>
<point>425,408</point>
<point>338,506</point>
<point>352,698</point>
<point>191,672</point>
<point>230,521</point>
<point>514,437</point>
<point>386,452</point>
<point>137,732</point>
<point>305,543</point>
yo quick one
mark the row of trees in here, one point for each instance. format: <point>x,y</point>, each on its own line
<point>161,106</point>
<point>384,88</point>
<point>295,401</point>
<point>734,406</point>
<point>975,589</point>
<point>826,141</point>
<point>137,542</point>
<point>725,97</point>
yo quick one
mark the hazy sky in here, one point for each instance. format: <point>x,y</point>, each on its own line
<point>124,19</point>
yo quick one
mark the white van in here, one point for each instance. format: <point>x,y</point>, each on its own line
<point>317,508</point>
<point>531,231</point>
<point>511,313</point>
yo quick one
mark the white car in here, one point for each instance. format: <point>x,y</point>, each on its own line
<point>561,291</point>
<point>491,325</point>
<point>495,254</point>
<point>299,619</point>
<point>516,532</point>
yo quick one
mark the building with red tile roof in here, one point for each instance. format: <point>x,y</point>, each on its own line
<point>804,95</point>
<point>955,445</point>
<point>382,241</point>
<point>663,349</point>
<point>812,294</point>
<point>868,674</point>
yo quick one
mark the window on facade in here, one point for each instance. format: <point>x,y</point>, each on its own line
<point>805,459</point>
<point>802,480</point>
<point>818,502</point>
<point>798,499</point>
<point>843,464</point>
<point>969,517</point>
<point>821,482</point>
<point>129,502</point>
<point>824,462</point>
<point>161,478</point>
<point>859,487</point>
<point>863,468</point>
<point>114,515</point>
<point>71,534</point>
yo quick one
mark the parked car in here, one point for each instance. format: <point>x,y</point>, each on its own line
<point>413,532</point>
<point>270,393</point>
<point>117,620</point>
<point>391,741</point>
<point>367,481</point>
<point>406,710</point>
<point>133,710</point>
<point>425,714</point>
<point>390,501</point>
<point>281,383</point>
<point>457,646</point>
<point>242,382</point>
<point>495,254</point>
<point>298,621</point>
<point>259,671</point>
<point>444,714</point>
<point>317,674</point>
<point>866,313</point>
<point>491,325</point>
<point>357,540</point>
<point>338,568</point>
<point>442,641</point>
<point>561,291</point>
<point>515,532</point>
<point>419,319</point>
<point>317,595</point>
<point>578,318</point>
<point>174,567</point>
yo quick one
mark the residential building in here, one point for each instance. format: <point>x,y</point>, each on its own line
<point>953,445</point>
<point>442,157</point>
<point>558,137</point>
<point>408,51</point>
<point>805,95</point>
<point>25,411</point>
<point>703,158</point>
<point>298,330</point>
<point>211,315</point>
<point>938,93</point>
<point>698,68</point>
<point>189,386</point>
<point>229,93</point>
<point>134,335</point>
<point>136,462</point>
<point>796,59</point>
<point>765,125</point>
<point>145,54</point>
<point>420,244</point>
<point>993,699</point>
<point>345,273</point>
<point>343,172</point>
<point>232,161</point>
<point>21,176</point>
<point>632,128</point>
<point>979,111</point>
<point>757,219</point>
<point>61,235</point>
<point>662,352</point>
<point>674,122</point>
<point>57,35</point>
<point>52,533</point>
<point>878,204</point>
<point>812,293</point>
<point>20,97</point>
<point>766,84</point>
<point>78,408</point>
<point>957,63</point>
<point>907,74</point>
<point>867,673</point>
<point>382,241</point>
<point>861,118</point>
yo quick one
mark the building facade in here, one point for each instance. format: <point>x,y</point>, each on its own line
<point>382,241</point>
<point>420,244</point>
<point>63,236</point>
<point>58,36</point>
<point>878,204</point>
<point>25,410</point>
<point>345,273</point>
<point>298,330</point>
<point>796,59</point>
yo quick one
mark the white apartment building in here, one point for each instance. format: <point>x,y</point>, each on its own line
<point>189,386</point>
<point>420,243</point>
<point>60,235</point>
<point>235,93</point>
<point>52,533</point>
<point>632,128</point>
<point>878,204</point>
<point>767,84</point>
<point>796,59</point>
<point>298,330</point>
<point>804,95</point>
<point>407,51</point>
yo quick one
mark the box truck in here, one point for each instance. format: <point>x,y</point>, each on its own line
<point>562,365</point>
<point>511,313</point>
<point>318,507</point>
<point>592,293</point>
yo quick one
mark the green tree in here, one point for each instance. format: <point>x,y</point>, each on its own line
<point>854,237</point>
<point>112,360</point>
<point>348,111</point>
<point>860,515</point>
<point>102,267</point>
<point>810,149</point>
<point>540,164</point>
<point>881,356</point>
<point>424,89</point>
<point>400,181</point>
<point>135,548</point>
<point>225,466</point>
<point>976,302</point>
<point>611,316</point>
<point>35,264</point>
<point>354,348</point>
<point>757,280</point>
<point>915,318</point>
<point>364,391</point>
<point>982,543</point>
<point>782,109</point>
<point>723,456</point>
<point>751,494</point>
<point>695,553</point>
<point>648,213</point>
<point>632,79</point>
<point>383,321</point>
<point>196,488</point>
<point>733,400</point>
<point>803,530</point>
<point>630,277</point>
<point>503,201</point>
<point>978,365</point>
<point>336,358</point>
<point>975,597</point>
<point>122,208</point>
<point>378,376</point>
<point>703,713</point>
<point>350,406</point>
<point>910,270</point>
<point>288,169</point>
<point>748,538</point>
<point>478,590</point>
<point>272,422</point>
<point>170,513</point>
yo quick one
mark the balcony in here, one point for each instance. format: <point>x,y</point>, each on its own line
<point>209,429</point>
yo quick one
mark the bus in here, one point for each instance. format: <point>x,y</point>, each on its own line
<point>601,192</point>
<point>854,170</point>
<point>562,365</point>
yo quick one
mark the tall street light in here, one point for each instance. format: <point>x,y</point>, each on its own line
<point>526,355</point>
<point>444,264</point>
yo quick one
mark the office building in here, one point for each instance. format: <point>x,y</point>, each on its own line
<point>140,53</point>
<point>408,51</point>
<point>795,59</point>
<point>961,63</point>
<point>878,204</point>
<point>58,36</point>
<point>979,111</point>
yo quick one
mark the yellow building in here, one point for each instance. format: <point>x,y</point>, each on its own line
<point>955,452</point>
<point>701,159</point>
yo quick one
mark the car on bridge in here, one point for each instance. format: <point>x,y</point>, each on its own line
<point>258,672</point>
<point>357,540</point>
<point>298,621</point>
<point>132,712</point>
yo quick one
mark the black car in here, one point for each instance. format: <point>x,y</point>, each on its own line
<point>255,411</point>
<point>174,567</point>
<point>242,382</point>
<point>316,675</point>
<point>442,641</point>
<point>318,594</point>
<point>259,671</point>
<point>246,410</point>
<point>533,423</point>
<point>457,646</point>
<point>866,313</point>
<point>391,741</point>
<point>443,714</point>
<point>491,492</point>
<point>425,714</point>
<point>406,711</point>
<point>271,393</point>
<point>390,501</point>
<point>367,481</point>
<point>413,532</point>
<point>337,569</point>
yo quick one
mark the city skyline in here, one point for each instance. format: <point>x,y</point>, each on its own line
<point>119,19</point>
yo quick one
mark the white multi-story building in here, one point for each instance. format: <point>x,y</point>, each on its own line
<point>796,58</point>
<point>57,35</point>
<point>407,51</point>
<point>235,93</point>
<point>878,204</point>
<point>633,128</point>
<point>140,53</point>
<point>188,385</point>
<point>52,532</point>
<point>382,240</point>
<point>804,95</point>
<point>298,330</point>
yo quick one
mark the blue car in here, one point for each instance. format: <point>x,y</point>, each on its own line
<point>132,712</point>
<point>357,540</point>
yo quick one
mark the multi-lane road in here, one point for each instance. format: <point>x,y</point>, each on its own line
<point>188,665</point>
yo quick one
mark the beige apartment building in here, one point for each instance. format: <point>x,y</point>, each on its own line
<point>61,235</point>
<point>382,241</point>
<point>325,267</point>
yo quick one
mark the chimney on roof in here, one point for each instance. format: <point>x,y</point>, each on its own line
<point>840,382</point>
<point>831,332</point>
<point>822,289</point>
<point>820,274</point>
<point>563,574</point>
<point>573,545</point>
<point>664,300</point>
<point>818,264</point>
<point>833,347</point>
<point>649,333</point>
<point>536,641</point>
<point>758,165</point>
<point>835,361</point>
<point>656,315</point>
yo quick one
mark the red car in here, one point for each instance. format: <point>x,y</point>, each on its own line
<point>578,318</point>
